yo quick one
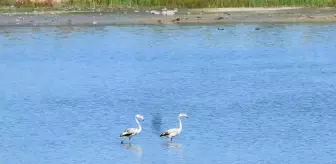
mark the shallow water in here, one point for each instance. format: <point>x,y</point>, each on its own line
<point>252,96</point>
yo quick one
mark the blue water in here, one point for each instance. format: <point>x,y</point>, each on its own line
<point>263,96</point>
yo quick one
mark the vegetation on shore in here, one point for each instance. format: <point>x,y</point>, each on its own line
<point>208,3</point>
<point>168,3</point>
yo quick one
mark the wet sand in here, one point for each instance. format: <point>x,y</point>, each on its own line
<point>183,16</point>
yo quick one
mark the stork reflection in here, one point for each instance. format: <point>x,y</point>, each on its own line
<point>134,148</point>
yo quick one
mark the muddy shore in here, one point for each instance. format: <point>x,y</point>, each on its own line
<point>182,16</point>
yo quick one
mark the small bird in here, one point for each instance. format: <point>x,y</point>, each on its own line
<point>155,12</point>
<point>171,133</point>
<point>168,12</point>
<point>131,132</point>
<point>219,18</point>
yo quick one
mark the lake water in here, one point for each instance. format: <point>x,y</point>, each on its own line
<point>263,96</point>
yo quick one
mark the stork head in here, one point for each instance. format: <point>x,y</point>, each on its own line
<point>140,117</point>
<point>182,115</point>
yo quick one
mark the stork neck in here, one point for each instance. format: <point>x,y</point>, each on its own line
<point>180,125</point>
<point>139,126</point>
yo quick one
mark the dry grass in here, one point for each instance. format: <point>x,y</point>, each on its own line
<point>179,3</point>
<point>209,3</point>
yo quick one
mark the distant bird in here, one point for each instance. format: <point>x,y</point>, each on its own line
<point>154,12</point>
<point>220,28</point>
<point>169,12</point>
<point>176,20</point>
<point>171,133</point>
<point>131,132</point>
<point>20,18</point>
<point>200,15</point>
<point>94,22</point>
<point>219,18</point>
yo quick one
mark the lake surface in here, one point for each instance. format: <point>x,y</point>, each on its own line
<point>263,96</point>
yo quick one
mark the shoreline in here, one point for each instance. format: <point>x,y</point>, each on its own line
<point>182,16</point>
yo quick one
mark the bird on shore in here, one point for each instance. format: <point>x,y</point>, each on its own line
<point>169,12</point>
<point>171,133</point>
<point>20,18</point>
<point>131,132</point>
<point>155,12</point>
<point>200,15</point>
<point>94,22</point>
<point>219,18</point>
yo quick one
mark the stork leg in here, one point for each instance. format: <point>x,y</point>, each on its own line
<point>122,141</point>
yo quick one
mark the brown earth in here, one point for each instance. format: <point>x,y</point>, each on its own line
<point>183,16</point>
